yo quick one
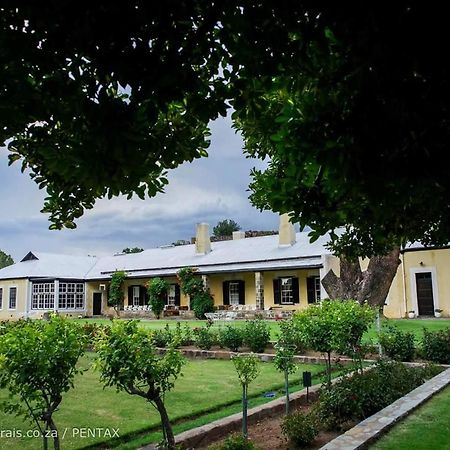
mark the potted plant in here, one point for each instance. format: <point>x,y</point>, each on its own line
<point>437,312</point>
<point>411,314</point>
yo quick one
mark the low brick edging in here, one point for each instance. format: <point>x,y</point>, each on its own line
<point>265,357</point>
<point>372,428</point>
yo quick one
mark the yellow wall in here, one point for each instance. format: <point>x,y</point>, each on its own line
<point>21,300</point>
<point>301,274</point>
<point>216,286</point>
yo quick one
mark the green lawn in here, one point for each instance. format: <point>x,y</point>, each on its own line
<point>414,325</point>
<point>426,428</point>
<point>207,386</point>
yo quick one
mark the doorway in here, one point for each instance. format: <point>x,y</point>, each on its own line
<point>97,304</point>
<point>424,289</point>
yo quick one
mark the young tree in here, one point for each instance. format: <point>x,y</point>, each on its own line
<point>284,362</point>
<point>5,260</point>
<point>247,368</point>
<point>157,292</point>
<point>38,364</point>
<point>226,228</point>
<point>116,294</point>
<point>334,326</point>
<point>129,361</point>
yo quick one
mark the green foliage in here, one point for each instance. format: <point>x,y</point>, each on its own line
<point>435,346</point>
<point>38,363</point>
<point>129,361</point>
<point>360,395</point>
<point>290,335</point>
<point>301,429</point>
<point>284,358</point>
<point>256,335</point>
<point>163,337</point>
<point>235,442</point>
<point>205,337</point>
<point>231,337</point>
<point>336,102</point>
<point>157,292</point>
<point>116,294</point>
<point>226,228</point>
<point>397,344</point>
<point>247,368</point>
<point>201,299</point>
<point>132,250</point>
<point>334,325</point>
<point>5,260</point>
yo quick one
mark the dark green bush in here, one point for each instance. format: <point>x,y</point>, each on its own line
<point>397,344</point>
<point>435,346</point>
<point>202,303</point>
<point>256,335</point>
<point>161,338</point>
<point>360,395</point>
<point>291,336</point>
<point>236,442</point>
<point>204,337</point>
<point>301,429</point>
<point>231,337</point>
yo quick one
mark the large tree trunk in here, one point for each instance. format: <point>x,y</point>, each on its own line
<point>371,286</point>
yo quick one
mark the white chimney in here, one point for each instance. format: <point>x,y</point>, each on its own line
<point>238,235</point>
<point>286,234</point>
<point>202,241</point>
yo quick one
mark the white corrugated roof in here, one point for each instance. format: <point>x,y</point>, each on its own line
<point>49,265</point>
<point>240,254</point>
<point>258,253</point>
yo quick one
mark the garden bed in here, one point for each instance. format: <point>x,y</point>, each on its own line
<point>265,429</point>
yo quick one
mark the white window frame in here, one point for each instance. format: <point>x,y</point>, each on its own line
<point>171,294</point>
<point>317,288</point>
<point>233,293</point>
<point>284,281</point>
<point>9,298</point>
<point>45,298</point>
<point>136,295</point>
<point>70,290</point>
<point>412,273</point>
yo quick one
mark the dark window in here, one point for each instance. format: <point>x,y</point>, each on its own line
<point>234,292</point>
<point>137,296</point>
<point>1,298</point>
<point>12,297</point>
<point>313,289</point>
<point>285,291</point>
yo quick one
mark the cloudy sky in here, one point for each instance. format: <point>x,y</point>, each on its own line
<point>207,190</point>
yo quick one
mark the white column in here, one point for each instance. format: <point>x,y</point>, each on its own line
<point>259,289</point>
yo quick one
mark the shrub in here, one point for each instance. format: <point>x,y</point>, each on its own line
<point>435,346</point>
<point>157,292</point>
<point>231,338</point>
<point>204,337</point>
<point>163,337</point>
<point>202,303</point>
<point>360,395</point>
<point>397,344</point>
<point>301,429</point>
<point>256,335</point>
<point>236,442</point>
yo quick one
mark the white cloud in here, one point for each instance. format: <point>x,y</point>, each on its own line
<point>206,190</point>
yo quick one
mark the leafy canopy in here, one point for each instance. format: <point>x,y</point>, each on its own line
<point>349,103</point>
<point>5,260</point>
<point>226,227</point>
<point>132,250</point>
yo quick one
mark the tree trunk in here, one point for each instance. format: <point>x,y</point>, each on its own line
<point>55,434</point>
<point>371,286</point>
<point>167,427</point>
